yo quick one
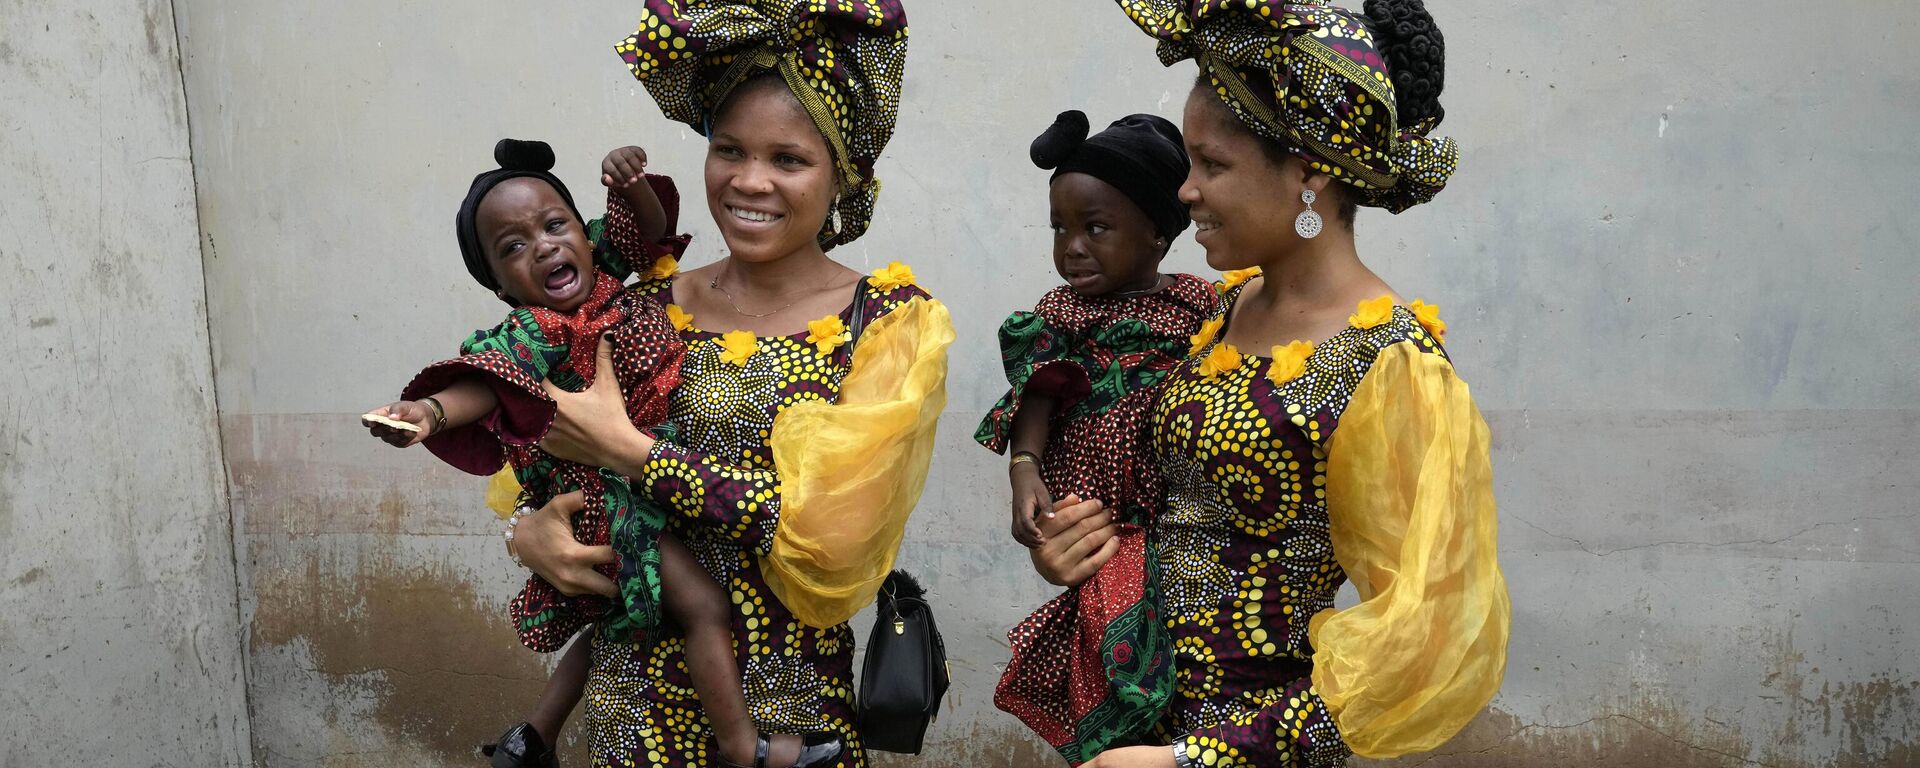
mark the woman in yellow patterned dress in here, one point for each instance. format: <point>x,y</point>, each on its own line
<point>804,422</point>
<point>1317,432</point>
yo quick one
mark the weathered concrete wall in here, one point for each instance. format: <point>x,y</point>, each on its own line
<point>119,644</point>
<point>1676,263</point>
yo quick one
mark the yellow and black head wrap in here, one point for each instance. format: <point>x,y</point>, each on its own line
<point>1352,96</point>
<point>843,59</point>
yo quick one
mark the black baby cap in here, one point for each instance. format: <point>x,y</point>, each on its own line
<point>1140,155</point>
<point>516,159</point>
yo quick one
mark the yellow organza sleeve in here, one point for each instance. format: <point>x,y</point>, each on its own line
<point>503,492</point>
<point>851,472</point>
<point>1410,497</point>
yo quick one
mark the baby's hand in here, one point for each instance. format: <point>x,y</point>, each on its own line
<point>623,166</point>
<point>384,422</point>
<point>1030,500</point>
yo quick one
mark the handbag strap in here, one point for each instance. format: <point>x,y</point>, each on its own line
<point>857,322</point>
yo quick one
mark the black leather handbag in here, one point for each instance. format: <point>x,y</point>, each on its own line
<point>906,674</point>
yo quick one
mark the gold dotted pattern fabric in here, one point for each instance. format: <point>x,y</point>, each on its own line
<point>1245,553</point>
<point>1308,75</point>
<point>722,496</point>
<point>843,59</point>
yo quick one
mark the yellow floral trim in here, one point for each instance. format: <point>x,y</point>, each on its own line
<point>893,276</point>
<point>1429,317</point>
<point>1373,313</point>
<point>679,317</point>
<point>1223,358</point>
<point>1289,361</point>
<point>1205,336</point>
<point>737,347</point>
<point>666,267</point>
<point>1238,276</point>
<point>827,334</point>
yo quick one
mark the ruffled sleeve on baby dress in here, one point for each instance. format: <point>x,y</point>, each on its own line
<point>512,358</point>
<point>1086,369</point>
<point>1038,357</point>
<point>621,250</point>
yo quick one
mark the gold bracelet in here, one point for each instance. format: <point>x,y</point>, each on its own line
<point>439,414</point>
<point>1022,457</point>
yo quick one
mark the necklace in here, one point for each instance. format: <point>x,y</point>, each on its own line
<point>1158,282</point>
<point>715,285</point>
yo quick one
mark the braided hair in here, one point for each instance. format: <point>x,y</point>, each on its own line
<point>1407,38</point>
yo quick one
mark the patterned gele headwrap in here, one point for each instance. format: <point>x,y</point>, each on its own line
<point>1310,76</point>
<point>843,59</point>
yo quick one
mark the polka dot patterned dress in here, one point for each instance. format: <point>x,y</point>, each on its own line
<point>535,345</point>
<point>718,483</point>
<point>1090,668</point>
<point>1243,544</point>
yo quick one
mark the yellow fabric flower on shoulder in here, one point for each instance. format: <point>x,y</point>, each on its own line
<point>827,334</point>
<point>737,347</point>
<point>1373,313</point>
<point>1289,361</point>
<point>1429,317</point>
<point>664,268</point>
<point>1223,358</point>
<point>1238,276</point>
<point>893,276</point>
<point>679,317</point>
<point>1205,336</point>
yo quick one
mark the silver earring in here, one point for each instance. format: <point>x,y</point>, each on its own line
<point>1308,223</point>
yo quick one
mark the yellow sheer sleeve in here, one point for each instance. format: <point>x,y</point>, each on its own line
<point>1410,497</point>
<point>503,492</point>
<point>851,472</point>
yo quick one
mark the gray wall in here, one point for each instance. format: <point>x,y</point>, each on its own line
<point>118,631</point>
<point>1676,264</point>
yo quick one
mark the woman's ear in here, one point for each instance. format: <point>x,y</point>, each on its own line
<point>1308,177</point>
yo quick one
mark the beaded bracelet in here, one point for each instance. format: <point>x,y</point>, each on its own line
<point>507,532</point>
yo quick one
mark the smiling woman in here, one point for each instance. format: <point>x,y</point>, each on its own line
<point>809,393</point>
<point>1339,444</point>
<point>770,176</point>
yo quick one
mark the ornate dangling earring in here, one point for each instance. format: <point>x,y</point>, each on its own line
<point>1308,223</point>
